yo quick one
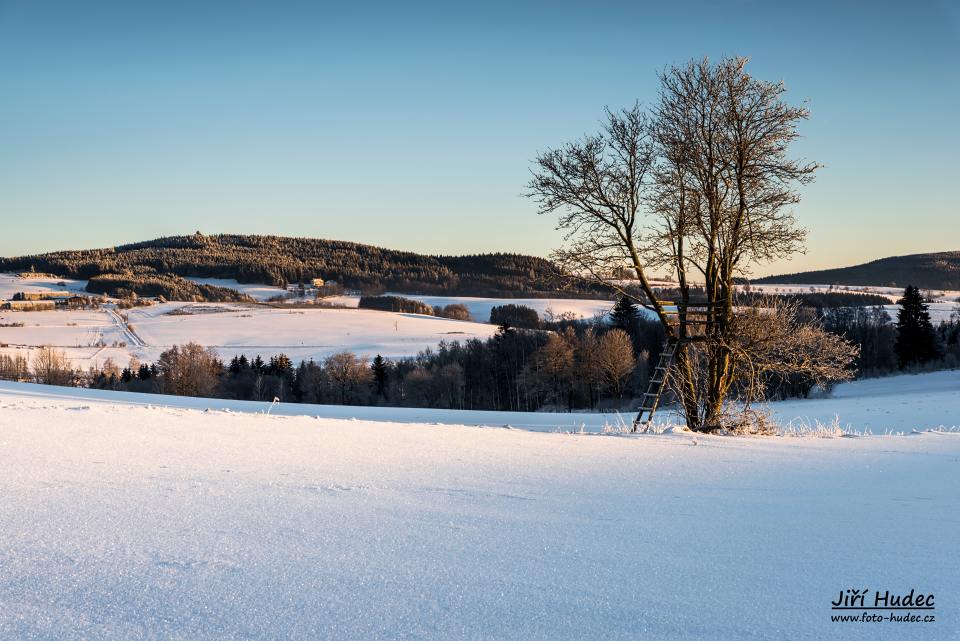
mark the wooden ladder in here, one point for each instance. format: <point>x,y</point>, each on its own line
<point>651,398</point>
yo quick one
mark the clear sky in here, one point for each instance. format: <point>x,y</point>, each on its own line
<point>412,125</point>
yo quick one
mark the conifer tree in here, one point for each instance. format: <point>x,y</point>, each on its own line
<point>380,375</point>
<point>916,338</point>
<point>624,316</point>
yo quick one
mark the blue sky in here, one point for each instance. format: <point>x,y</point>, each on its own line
<point>413,125</point>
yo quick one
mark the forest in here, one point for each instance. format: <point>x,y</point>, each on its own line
<point>151,267</point>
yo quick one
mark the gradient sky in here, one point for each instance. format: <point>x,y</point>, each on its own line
<point>412,125</point>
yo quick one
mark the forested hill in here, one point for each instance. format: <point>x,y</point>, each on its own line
<point>275,260</point>
<point>928,271</point>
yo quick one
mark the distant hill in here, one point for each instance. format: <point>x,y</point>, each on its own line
<point>156,267</point>
<point>928,271</point>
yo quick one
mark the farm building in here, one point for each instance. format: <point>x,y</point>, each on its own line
<point>45,300</point>
<point>41,295</point>
<point>28,305</point>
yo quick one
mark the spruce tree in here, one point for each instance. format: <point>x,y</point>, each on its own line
<point>916,338</point>
<point>380,375</point>
<point>624,315</point>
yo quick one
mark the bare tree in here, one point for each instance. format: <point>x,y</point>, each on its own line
<point>701,187</point>
<point>349,374</point>
<point>597,185</point>
<point>615,359</point>
<point>14,368</point>
<point>52,367</point>
<point>551,372</point>
<point>189,370</point>
<point>587,365</point>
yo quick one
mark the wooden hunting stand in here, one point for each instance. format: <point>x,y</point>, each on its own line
<point>687,324</point>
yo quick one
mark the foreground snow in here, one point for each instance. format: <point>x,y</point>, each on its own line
<point>129,522</point>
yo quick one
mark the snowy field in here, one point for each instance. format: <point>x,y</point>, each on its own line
<point>90,336</point>
<point>122,521</point>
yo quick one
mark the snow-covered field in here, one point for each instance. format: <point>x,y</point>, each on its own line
<point>231,329</point>
<point>123,521</point>
<point>88,337</point>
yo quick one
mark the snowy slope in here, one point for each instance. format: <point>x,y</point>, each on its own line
<point>299,333</point>
<point>128,522</point>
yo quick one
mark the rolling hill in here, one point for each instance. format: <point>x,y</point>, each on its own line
<point>144,267</point>
<point>929,271</point>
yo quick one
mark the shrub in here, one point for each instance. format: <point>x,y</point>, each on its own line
<point>455,311</point>
<point>395,304</point>
<point>512,315</point>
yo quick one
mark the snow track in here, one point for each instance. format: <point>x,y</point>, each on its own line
<point>125,329</point>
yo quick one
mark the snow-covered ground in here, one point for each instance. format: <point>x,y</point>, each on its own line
<point>132,522</point>
<point>90,336</point>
